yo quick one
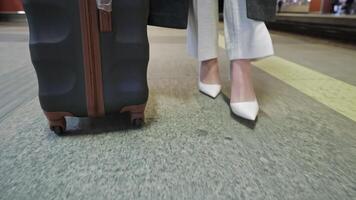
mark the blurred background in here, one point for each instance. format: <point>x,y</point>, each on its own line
<point>303,145</point>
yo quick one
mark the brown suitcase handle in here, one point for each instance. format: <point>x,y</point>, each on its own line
<point>105,21</point>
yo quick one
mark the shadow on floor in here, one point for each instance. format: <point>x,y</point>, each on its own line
<point>93,126</point>
<point>119,123</point>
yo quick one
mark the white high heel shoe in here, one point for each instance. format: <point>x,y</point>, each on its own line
<point>247,109</point>
<point>212,90</point>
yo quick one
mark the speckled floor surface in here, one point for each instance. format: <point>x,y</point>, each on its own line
<point>190,148</point>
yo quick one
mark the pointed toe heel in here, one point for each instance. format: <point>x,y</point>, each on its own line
<point>248,110</point>
<point>212,90</point>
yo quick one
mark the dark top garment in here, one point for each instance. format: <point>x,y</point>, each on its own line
<point>262,10</point>
<point>169,13</point>
<point>174,13</point>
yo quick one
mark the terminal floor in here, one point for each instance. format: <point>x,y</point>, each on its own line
<point>192,147</point>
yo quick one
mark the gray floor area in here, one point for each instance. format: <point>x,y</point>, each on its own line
<point>337,60</point>
<point>191,146</point>
<point>17,77</point>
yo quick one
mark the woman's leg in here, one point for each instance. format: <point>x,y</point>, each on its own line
<point>241,83</point>
<point>203,38</point>
<point>246,39</point>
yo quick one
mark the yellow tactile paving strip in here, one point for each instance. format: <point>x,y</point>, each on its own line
<point>335,94</point>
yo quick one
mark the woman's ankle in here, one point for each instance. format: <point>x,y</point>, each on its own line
<point>241,81</point>
<point>209,71</point>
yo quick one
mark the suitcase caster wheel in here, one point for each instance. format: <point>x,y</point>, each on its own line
<point>58,126</point>
<point>57,130</point>
<point>137,123</point>
<point>137,114</point>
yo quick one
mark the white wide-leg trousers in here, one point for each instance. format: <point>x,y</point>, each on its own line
<point>244,38</point>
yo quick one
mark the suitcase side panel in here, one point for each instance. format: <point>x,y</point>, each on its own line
<point>56,53</point>
<point>125,56</point>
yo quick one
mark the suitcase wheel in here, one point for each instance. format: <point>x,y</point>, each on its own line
<point>58,126</point>
<point>137,114</point>
<point>57,130</point>
<point>137,123</point>
<point>137,119</point>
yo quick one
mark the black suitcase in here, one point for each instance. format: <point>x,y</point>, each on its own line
<point>89,63</point>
